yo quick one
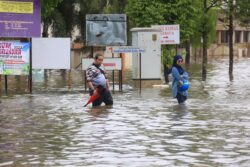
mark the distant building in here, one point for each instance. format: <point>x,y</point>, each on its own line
<point>241,40</point>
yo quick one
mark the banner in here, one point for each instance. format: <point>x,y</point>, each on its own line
<point>14,58</point>
<point>20,18</point>
<point>106,30</point>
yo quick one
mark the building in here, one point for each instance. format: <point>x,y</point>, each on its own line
<point>241,40</point>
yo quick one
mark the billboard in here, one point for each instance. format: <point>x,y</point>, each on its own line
<point>20,18</point>
<point>170,34</point>
<point>106,30</point>
<point>51,53</point>
<point>14,58</point>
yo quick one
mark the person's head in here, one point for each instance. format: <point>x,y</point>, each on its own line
<point>178,60</point>
<point>98,59</point>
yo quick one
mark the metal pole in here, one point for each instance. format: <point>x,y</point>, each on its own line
<point>69,79</point>
<point>6,84</point>
<point>92,51</point>
<point>120,78</point>
<point>30,70</point>
<point>0,85</point>
<point>140,69</point>
<point>113,76</point>
<point>85,81</point>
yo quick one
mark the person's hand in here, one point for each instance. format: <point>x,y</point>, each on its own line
<point>91,92</point>
<point>109,91</point>
<point>180,83</point>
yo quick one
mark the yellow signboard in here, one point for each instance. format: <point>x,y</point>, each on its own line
<point>16,7</point>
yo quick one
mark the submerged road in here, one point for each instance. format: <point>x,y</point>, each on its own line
<point>52,128</point>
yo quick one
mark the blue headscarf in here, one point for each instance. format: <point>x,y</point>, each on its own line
<point>179,68</point>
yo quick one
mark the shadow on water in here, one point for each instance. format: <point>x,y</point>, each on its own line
<point>52,128</point>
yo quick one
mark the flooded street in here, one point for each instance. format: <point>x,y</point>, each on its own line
<point>52,128</point>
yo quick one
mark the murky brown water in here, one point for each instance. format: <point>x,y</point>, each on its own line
<point>51,127</point>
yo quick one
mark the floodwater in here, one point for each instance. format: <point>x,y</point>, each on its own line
<point>52,128</point>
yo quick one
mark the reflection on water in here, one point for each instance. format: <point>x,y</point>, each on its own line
<point>52,128</point>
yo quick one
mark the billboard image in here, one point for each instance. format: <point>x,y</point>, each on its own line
<point>14,58</point>
<point>106,30</point>
<point>20,18</point>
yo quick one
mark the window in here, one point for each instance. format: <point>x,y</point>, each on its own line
<point>224,36</point>
<point>246,33</point>
<point>237,36</point>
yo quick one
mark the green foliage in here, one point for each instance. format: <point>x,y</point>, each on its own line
<point>186,16</point>
<point>243,12</point>
<point>47,8</point>
<point>205,23</point>
<point>114,6</point>
<point>58,25</point>
<point>143,13</point>
<point>26,68</point>
<point>87,7</point>
<point>168,53</point>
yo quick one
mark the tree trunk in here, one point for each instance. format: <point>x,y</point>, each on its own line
<point>187,58</point>
<point>166,73</point>
<point>45,29</point>
<point>205,43</point>
<point>230,32</point>
<point>204,56</point>
<point>195,55</point>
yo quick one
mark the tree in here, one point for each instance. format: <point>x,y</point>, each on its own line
<point>234,11</point>
<point>204,29</point>
<point>47,9</point>
<point>88,7</point>
<point>115,6</point>
<point>145,13</point>
<point>160,12</point>
<point>242,9</point>
<point>231,30</point>
<point>186,16</point>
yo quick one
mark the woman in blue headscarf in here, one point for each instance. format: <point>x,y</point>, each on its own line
<point>180,80</point>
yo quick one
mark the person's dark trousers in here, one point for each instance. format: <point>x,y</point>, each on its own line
<point>181,98</point>
<point>166,73</point>
<point>105,97</point>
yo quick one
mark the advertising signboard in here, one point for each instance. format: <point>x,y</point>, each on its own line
<point>170,34</point>
<point>14,58</point>
<point>106,29</point>
<point>20,18</point>
<point>51,53</point>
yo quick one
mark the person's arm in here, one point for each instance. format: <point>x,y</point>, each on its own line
<point>89,77</point>
<point>185,75</point>
<point>90,85</point>
<point>176,74</point>
<point>107,81</point>
<point>106,77</point>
